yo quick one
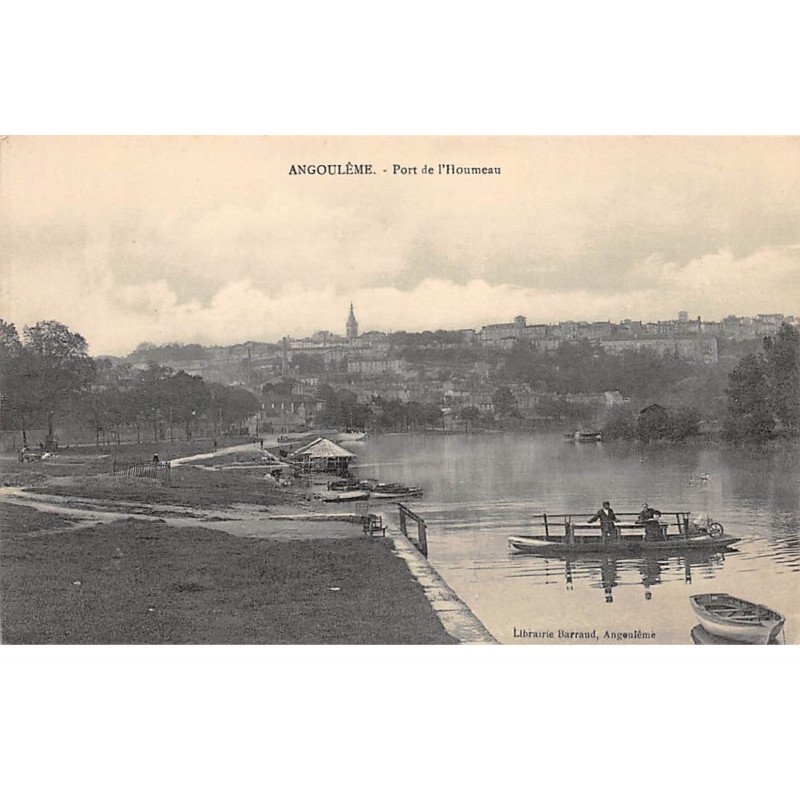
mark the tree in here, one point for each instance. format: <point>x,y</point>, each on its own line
<point>185,396</point>
<point>54,368</point>
<point>782,355</point>
<point>92,404</point>
<point>10,344</point>
<point>504,403</point>
<point>229,405</point>
<point>684,422</point>
<point>749,414</point>
<point>621,424</point>
<point>653,424</point>
<point>469,415</point>
<point>308,364</point>
<point>342,409</point>
<point>149,395</point>
<point>11,368</point>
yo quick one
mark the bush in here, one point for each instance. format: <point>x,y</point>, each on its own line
<point>621,424</point>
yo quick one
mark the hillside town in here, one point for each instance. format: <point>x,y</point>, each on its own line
<point>464,375</point>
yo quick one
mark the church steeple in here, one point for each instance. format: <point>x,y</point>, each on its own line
<point>352,325</point>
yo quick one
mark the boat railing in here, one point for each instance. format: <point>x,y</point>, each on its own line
<point>626,520</point>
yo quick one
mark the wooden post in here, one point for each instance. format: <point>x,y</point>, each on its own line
<point>403,529</point>
<point>546,528</point>
<point>422,530</point>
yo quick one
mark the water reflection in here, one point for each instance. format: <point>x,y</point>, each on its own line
<point>701,636</point>
<point>606,572</point>
<point>481,489</point>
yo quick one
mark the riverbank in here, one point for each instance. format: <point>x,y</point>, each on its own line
<point>215,555</point>
<point>137,581</point>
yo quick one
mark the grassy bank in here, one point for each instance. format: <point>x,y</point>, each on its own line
<point>137,582</point>
<point>17,520</point>
<point>189,485</point>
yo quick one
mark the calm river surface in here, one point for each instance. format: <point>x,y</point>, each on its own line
<point>481,488</point>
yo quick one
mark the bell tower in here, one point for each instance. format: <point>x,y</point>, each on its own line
<point>352,325</point>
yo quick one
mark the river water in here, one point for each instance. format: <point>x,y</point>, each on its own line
<point>481,488</point>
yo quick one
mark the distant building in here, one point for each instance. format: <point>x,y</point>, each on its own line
<point>494,334</point>
<point>352,325</point>
<point>373,336</point>
<point>376,366</point>
<point>683,316</point>
<point>614,398</point>
<point>701,350</point>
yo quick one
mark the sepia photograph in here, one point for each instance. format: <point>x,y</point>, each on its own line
<point>405,390</point>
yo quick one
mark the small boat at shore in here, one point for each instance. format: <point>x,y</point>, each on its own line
<point>376,489</point>
<point>584,436</point>
<point>396,494</point>
<point>728,617</point>
<point>344,497</point>
<point>349,436</point>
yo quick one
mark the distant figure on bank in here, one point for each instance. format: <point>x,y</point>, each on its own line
<point>607,519</point>
<point>215,444</point>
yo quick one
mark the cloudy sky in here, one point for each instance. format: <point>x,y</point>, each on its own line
<point>211,240</point>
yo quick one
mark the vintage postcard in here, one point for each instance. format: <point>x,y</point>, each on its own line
<point>400,390</point>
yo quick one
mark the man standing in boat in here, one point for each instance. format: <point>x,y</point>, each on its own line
<point>607,519</point>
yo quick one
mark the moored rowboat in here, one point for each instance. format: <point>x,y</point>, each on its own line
<point>735,619</point>
<point>349,436</point>
<point>344,497</point>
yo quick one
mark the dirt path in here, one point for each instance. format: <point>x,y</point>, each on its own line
<point>253,447</point>
<point>248,521</point>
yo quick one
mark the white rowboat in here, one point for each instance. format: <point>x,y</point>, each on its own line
<point>736,619</point>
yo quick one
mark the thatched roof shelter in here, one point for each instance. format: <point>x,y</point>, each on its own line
<point>323,455</point>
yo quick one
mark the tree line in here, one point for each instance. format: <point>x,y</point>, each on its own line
<point>47,373</point>
<point>764,390</point>
<point>761,398</point>
<point>342,410</point>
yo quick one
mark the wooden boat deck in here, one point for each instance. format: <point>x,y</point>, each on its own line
<point>570,533</point>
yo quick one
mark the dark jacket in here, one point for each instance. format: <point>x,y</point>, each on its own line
<point>646,514</point>
<point>607,519</point>
<point>653,531</point>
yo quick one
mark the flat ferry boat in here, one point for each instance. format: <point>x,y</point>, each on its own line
<point>565,534</point>
<point>731,618</point>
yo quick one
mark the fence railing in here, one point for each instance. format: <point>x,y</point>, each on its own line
<point>422,528</point>
<point>160,470</point>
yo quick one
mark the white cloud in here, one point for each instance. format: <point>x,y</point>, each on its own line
<point>121,317</point>
<point>210,240</point>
